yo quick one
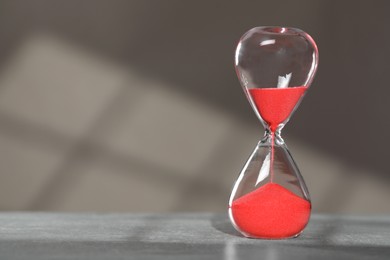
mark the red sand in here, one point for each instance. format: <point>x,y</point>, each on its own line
<point>276,104</point>
<point>271,211</point>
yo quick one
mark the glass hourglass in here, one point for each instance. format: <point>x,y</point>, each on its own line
<point>275,66</point>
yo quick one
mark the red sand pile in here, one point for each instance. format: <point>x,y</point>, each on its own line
<point>271,211</point>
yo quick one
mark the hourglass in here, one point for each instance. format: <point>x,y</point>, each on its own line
<point>275,66</point>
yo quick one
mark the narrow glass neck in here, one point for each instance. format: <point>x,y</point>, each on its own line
<point>273,137</point>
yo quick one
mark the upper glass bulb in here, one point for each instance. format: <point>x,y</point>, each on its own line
<point>276,57</point>
<point>275,66</point>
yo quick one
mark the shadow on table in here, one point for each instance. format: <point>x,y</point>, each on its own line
<point>222,223</point>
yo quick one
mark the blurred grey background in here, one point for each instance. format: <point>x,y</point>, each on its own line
<point>135,105</point>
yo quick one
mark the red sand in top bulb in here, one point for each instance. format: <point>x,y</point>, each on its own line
<point>276,104</point>
<point>271,211</point>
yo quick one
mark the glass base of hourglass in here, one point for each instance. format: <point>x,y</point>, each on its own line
<point>270,199</point>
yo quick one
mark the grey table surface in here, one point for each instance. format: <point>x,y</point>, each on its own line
<point>183,236</point>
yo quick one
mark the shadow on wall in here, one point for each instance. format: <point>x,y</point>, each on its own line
<point>189,47</point>
<point>169,42</point>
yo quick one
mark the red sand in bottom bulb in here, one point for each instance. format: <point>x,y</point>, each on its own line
<point>276,104</point>
<point>271,211</point>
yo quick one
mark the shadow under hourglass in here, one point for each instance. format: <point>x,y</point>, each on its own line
<point>222,223</point>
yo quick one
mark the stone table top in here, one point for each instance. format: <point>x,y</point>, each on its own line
<point>183,236</point>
